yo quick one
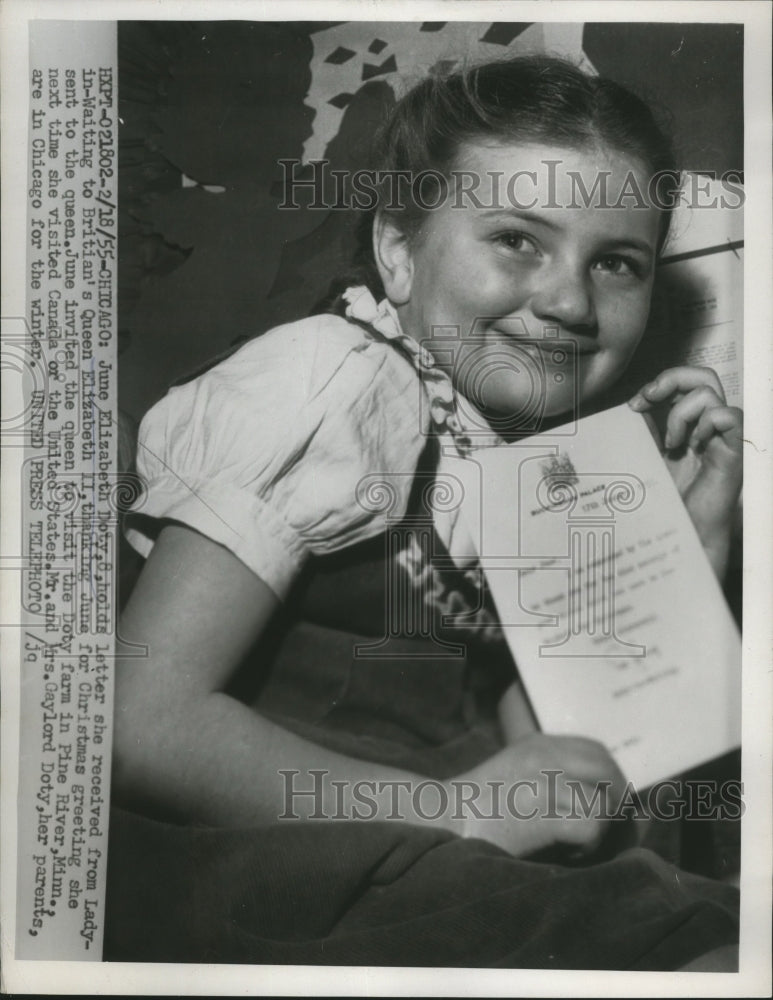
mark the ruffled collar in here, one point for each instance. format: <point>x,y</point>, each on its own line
<point>382,317</point>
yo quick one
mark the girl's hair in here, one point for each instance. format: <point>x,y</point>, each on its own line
<point>526,98</point>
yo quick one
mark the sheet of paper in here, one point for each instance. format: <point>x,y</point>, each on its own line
<point>707,294</point>
<point>697,319</point>
<point>614,616</point>
<point>697,310</point>
<point>709,213</point>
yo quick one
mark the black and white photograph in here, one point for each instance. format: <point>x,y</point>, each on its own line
<point>386,482</point>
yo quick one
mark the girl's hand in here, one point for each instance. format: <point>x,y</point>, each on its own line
<point>536,807</point>
<point>703,450</point>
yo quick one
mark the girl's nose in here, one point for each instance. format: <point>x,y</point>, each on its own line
<point>565,297</point>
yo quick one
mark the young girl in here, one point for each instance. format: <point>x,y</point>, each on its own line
<point>274,685</point>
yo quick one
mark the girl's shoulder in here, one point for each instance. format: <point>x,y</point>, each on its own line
<point>268,451</point>
<point>324,378</point>
<point>320,355</point>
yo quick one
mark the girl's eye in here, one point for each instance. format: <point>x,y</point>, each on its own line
<point>615,264</point>
<point>517,242</point>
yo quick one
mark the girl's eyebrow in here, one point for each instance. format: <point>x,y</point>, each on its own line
<point>522,215</point>
<point>628,243</point>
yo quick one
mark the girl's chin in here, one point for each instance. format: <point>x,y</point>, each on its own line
<point>515,402</point>
<point>514,417</point>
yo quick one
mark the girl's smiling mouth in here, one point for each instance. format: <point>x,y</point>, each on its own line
<point>554,346</point>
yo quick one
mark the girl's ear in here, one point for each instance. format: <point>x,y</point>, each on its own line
<point>393,257</point>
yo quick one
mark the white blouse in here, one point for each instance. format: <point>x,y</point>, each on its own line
<point>266,452</point>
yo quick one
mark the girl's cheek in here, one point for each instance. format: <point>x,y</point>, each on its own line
<point>624,317</point>
<point>506,289</point>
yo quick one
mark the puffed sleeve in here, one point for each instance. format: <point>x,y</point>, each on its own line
<point>267,452</point>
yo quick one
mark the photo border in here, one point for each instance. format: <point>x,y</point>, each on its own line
<point>753,979</point>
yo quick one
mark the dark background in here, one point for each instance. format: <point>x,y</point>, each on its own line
<point>222,102</point>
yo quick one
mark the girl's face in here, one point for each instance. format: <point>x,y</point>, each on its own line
<point>538,263</point>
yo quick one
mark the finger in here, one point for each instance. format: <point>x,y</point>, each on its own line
<point>588,760</point>
<point>585,835</point>
<point>558,758</point>
<point>686,412</point>
<point>563,756</point>
<point>682,379</point>
<point>515,715</point>
<point>723,421</point>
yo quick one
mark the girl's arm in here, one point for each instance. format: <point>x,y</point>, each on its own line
<point>180,742</point>
<point>183,745</point>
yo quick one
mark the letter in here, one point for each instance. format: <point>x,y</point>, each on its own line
<point>442,794</point>
<point>731,182</point>
<point>731,797</point>
<point>551,202</point>
<point>653,189</point>
<point>359,187</point>
<point>417,189</point>
<point>631,189</point>
<point>340,812</point>
<point>673,808</point>
<point>291,183</point>
<point>588,810</point>
<point>552,777</point>
<point>702,800</point>
<point>599,184</point>
<point>393,786</point>
<point>510,800</point>
<point>315,793</point>
<point>629,806</point>
<point>697,190</point>
<point>394,190</point>
<point>511,196</point>
<point>461,799</point>
<point>339,180</point>
<point>368,801</point>
<point>461,189</point>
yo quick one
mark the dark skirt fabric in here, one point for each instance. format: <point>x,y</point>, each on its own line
<point>386,893</point>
